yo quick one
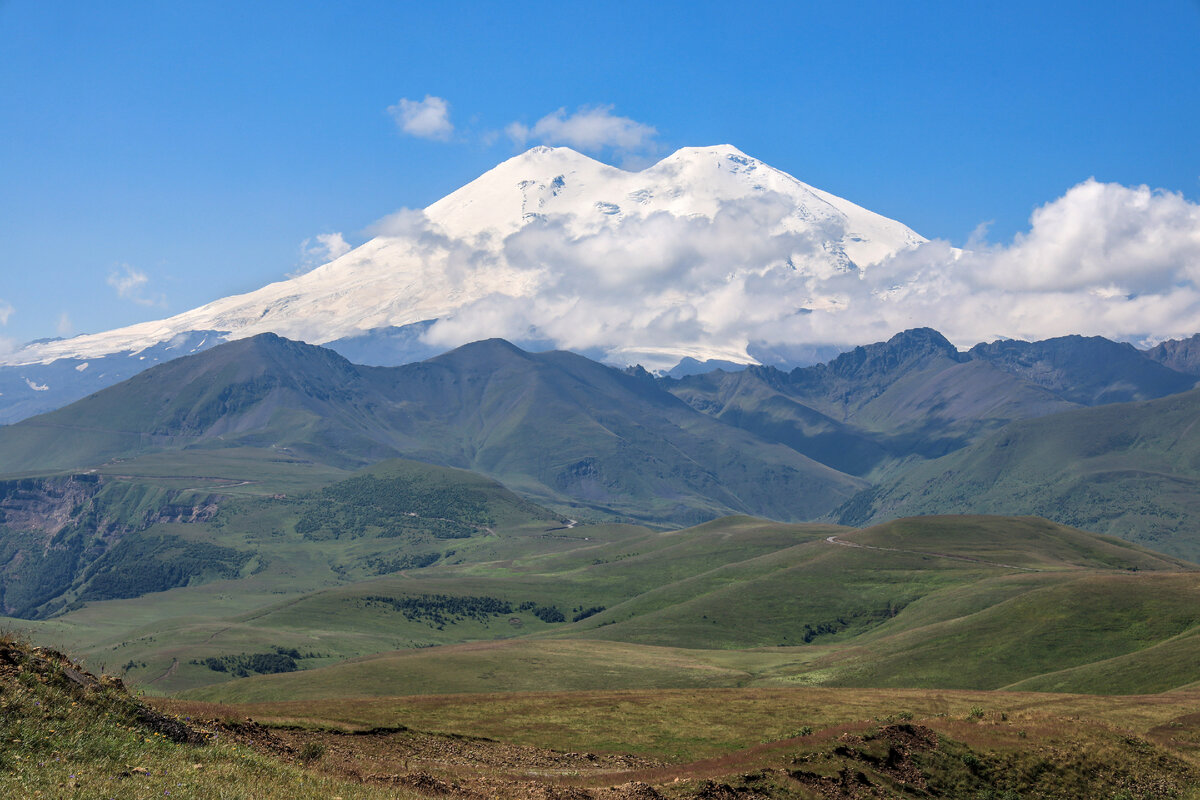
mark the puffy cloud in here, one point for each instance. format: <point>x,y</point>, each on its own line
<point>425,119</point>
<point>1103,259</point>
<point>131,284</point>
<point>589,128</point>
<point>1100,235</point>
<point>646,283</point>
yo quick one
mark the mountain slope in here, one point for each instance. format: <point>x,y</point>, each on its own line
<point>554,425</point>
<point>557,424</point>
<point>263,391</point>
<point>1130,469</point>
<point>915,394</point>
<point>1181,355</point>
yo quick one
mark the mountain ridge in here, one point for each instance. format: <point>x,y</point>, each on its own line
<point>555,426</point>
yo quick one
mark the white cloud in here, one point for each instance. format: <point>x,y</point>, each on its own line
<point>1103,259</point>
<point>63,324</point>
<point>1104,233</point>
<point>425,119</point>
<point>131,284</point>
<point>321,249</point>
<point>1122,262</point>
<point>589,128</point>
<point>6,311</point>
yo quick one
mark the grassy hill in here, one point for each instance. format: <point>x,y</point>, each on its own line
<point>147,525</point>
<point>977,602</point>
<point>67,733</point>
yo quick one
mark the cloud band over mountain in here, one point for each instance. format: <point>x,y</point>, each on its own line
<point>1103,259</point>
<point>710,254</point>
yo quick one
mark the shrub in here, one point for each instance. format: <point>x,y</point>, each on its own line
<point>311,751</point>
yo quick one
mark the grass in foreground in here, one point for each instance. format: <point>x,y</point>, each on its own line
<point>64,734</point>
<point>782,743</point>
<point>67,734</point>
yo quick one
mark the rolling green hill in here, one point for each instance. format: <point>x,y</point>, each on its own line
<point>933,602</point>
<point>346,573</point>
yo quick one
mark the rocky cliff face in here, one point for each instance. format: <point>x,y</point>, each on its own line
<point>52,529</point>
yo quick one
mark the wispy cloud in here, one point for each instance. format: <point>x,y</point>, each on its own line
<point>590,128</point>
<point>6,311</point>
<point>425,119</point>
<point>63,324</point>
<point>131,284</point>
<point>321,249</point>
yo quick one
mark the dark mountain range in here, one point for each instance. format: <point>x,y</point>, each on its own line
<point>917,395</point>
<point>1181,355</point>
<point>553,425</point>
<point>567,430</point>
<point>1088,370</point>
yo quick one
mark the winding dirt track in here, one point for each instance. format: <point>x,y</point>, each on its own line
<point>835,540</point>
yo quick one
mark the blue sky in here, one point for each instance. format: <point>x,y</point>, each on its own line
<point>155,156</point>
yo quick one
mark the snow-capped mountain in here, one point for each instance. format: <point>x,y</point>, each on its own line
<point>689,258</point>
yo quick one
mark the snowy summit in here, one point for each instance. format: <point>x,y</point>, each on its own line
<point>697,256</point>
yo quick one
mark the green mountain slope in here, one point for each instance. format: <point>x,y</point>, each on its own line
<point>1130,470</point>
<point>73,539</point>
<point>556,426</point>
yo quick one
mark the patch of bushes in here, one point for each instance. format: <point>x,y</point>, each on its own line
<point>439,610</point>
<point>443,609</point>
<point>587,612</point>
<point>393,507</point>
<point>242,665</point>
<point>863,618</point>
<point>384,566</point>
<point>544,613</point>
